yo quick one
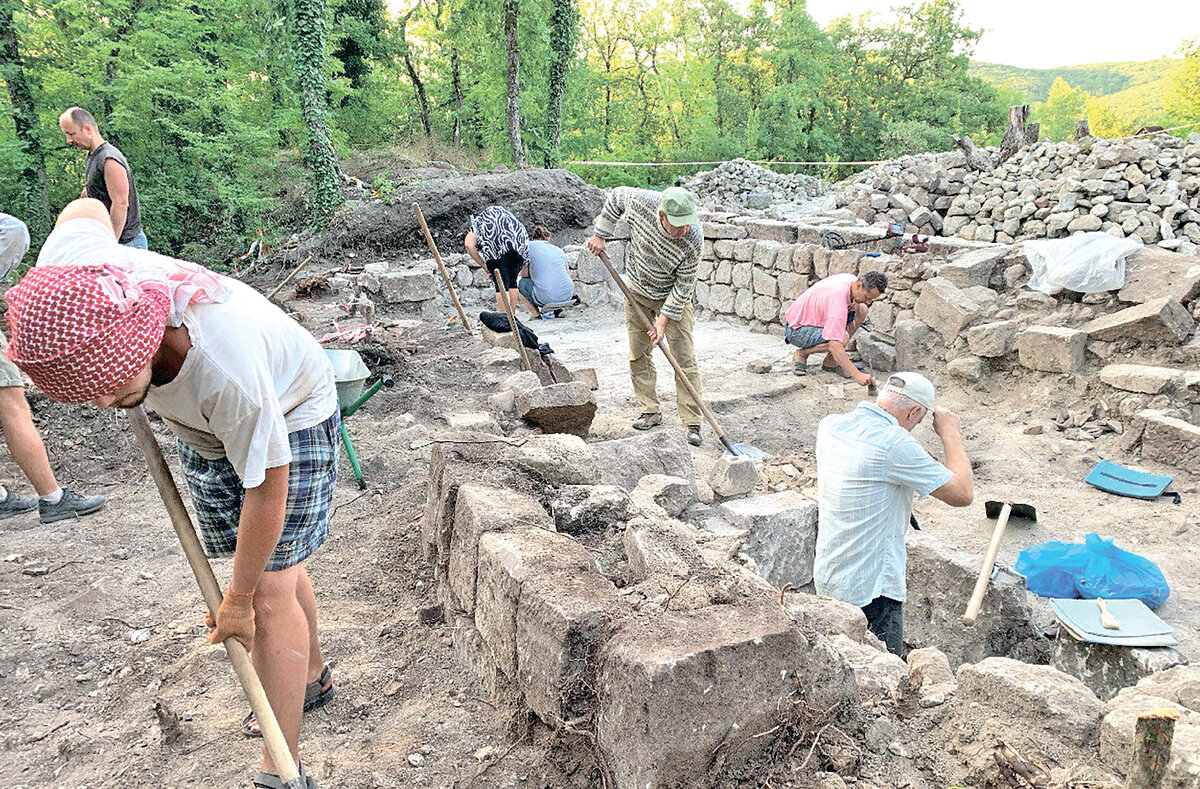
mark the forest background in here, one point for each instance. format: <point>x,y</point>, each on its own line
<point>226,110</point>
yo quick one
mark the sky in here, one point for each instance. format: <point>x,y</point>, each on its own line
<point>1054,33</point>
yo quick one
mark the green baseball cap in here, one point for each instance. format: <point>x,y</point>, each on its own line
<point>679,206</point>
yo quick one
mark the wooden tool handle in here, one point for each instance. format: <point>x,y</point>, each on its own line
<point>662,346</point>
<point>985,571</point>
<point>462,316</point>
<point>277,746</point>
<point>1106,618</point>
<point>512,320</point>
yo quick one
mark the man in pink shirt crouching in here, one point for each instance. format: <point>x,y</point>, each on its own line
<point>826,316</point>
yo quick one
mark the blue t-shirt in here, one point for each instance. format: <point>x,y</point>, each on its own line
<point>548,269</point>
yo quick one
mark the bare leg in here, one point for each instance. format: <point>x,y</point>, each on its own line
<point>281,652</point>
<point>308,602</point>
<point>860,317</point>
<point>24,443</point>
<point>529,305</point>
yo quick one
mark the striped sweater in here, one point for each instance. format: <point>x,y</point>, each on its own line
<point>656,265</point>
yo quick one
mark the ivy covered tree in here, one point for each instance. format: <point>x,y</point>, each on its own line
<point>308,29</point>
<point>30,157</point>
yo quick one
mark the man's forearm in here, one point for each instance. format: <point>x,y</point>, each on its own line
<point>259,527</point>
<point>838,351</point>
<point>956,456</point>
<point>118,214</point>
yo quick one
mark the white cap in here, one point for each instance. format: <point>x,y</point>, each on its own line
<point>914,386</point>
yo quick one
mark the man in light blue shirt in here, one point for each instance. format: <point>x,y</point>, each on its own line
<point>868,469</point>
<point>546,279</point>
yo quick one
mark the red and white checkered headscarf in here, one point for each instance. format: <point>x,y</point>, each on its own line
<point>82,332</point>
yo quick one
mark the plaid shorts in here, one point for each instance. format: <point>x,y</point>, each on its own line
<point>217,494</point>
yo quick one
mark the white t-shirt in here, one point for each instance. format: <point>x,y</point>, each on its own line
<point>252,376</point>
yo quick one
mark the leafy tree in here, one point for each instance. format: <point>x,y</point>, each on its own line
<point>1182,95</point>
<point>308,28</point>
<point>1063,109</point>
<point>29,155</point>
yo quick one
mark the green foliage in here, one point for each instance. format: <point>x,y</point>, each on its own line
<point>1100,79</point>
<point>1062,110</point>
<point>1182,91</point>
<point>905,137</point>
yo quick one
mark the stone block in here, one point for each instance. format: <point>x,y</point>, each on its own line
<point>1037,700</point>
<point>743,303</point>
<point>973,268</point>
<point>946,309</point>
<point>564,618</point>
<point>559,408</point>
<point>967,368</point>
<point>478,421</point>
<point>912,340</point>
<point>802,260</point>
<point>743,250</point>
<point>624,461</point>
<point>791,285</point>
<point>587,509</point>
<point>843,261</point>
<point>1161,320</point>
<point>587,376</point>
<point>589,269</point>
<point>1142,378</point>
<point>1151,273</point>
<point>878,354</point>
<point>675,688</point>
<point>783,534</point>
<point>1052,349</point>
<point>498,339</point>
<point>1119,726</point>
<point>940,581</point>
<point>1168,439</point>
<point>407,286</point>
<point>1107,669</point>
<point>714,231</point>
<point>764,254</point>
<point>720,299</point>
<point>772,230</point>
<point>992,339</point>
<point>877,672</point>
<point>766,309</point>
<point>733,475</point>
<point>478,509</point>
<point>819,615</point>
<point>742,275</point>
<point>671,494</point>
<point>930,676</point>
<point>764,283</point>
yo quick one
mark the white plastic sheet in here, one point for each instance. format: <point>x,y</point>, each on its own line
<point>1084,262</point>
<point>14,243</point>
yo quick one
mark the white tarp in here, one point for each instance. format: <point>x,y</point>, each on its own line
<point>1084,262</point>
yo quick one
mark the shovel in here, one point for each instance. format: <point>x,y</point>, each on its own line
<point>273,738</point>
<point>744,450</point>
<point>1001,511</point>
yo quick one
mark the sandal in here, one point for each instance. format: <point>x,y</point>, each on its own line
<point>316,694</point>
<point>838,369</point>
<point>800,368</point>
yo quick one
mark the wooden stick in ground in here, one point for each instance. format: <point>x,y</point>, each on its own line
<point>1151,748</point>
<point>462,316</point>
<point>662,346</point>
<point>985,570</point>
<point>273,737</point>
<point>512,320</point>
<point>288,278</point>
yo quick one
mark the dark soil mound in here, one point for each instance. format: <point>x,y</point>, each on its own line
<point>558,199</point>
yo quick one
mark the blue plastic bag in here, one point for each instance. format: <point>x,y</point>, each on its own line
<point>1097,568</point>
<point>1116,574</point>
<point>1053,568</point>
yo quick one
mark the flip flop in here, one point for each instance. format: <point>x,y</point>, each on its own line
<point>316,694</point>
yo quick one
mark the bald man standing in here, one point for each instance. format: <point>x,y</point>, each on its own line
<point>107,177</point>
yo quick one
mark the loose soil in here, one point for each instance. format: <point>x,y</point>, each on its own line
<point>100,619</point>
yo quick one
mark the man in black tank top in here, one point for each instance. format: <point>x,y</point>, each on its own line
<point>107,177</point>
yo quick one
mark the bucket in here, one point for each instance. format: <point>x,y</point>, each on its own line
<point>349,375</point>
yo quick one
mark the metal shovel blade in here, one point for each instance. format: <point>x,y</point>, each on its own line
<point>747,451</point>
<point>1025,511</point>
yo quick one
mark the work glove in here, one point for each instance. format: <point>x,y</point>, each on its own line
<point>235,618</point>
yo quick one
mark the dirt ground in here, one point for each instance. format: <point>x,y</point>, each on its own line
<point>100,620</point>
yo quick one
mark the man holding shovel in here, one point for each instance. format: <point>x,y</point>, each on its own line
<point>250,396</point>
<point>665,242</point>
<point>869,466</point>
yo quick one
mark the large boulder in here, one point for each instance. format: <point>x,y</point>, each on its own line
<point>558,408</point>
<point>783,535</point>
<point>1052,349</point>
<point>1107,669</point>
<point>946,309</point>
<point>624,461</point>
<point>1161,320</point>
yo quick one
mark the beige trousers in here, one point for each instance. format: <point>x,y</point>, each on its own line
<point>641,359</point>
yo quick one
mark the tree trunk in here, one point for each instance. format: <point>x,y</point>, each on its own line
<point>120,32</point>
<point>512,51</point>
<point>1151,748</point>
<point>35,208</point>
<point>456,82</point>
<point>976,159</point>
<point>414,75</point>
<point>1017,135</point>
<point>1082,130</point>
<point>308,26</point>
<point>562,48</point>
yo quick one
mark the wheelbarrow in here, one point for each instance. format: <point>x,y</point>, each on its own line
<point>350,375</point>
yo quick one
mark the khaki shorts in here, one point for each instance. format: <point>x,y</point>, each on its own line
<point>9,374</point>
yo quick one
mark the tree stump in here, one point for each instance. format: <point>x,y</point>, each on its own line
<point>1018,134</point>
<point>1082,130</point>
<point>977,159</point>
<point>1151,748</point>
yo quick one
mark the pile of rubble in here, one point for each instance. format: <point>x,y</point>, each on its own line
<point>1148,188</point>
<point>743,184</point>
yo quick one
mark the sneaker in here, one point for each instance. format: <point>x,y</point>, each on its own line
<point>647,421</point>
<point>693,436</point>
<point>15,504</point>
<point>71,505</point>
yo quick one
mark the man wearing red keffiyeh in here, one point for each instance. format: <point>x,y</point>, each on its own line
<point>248,393</point>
